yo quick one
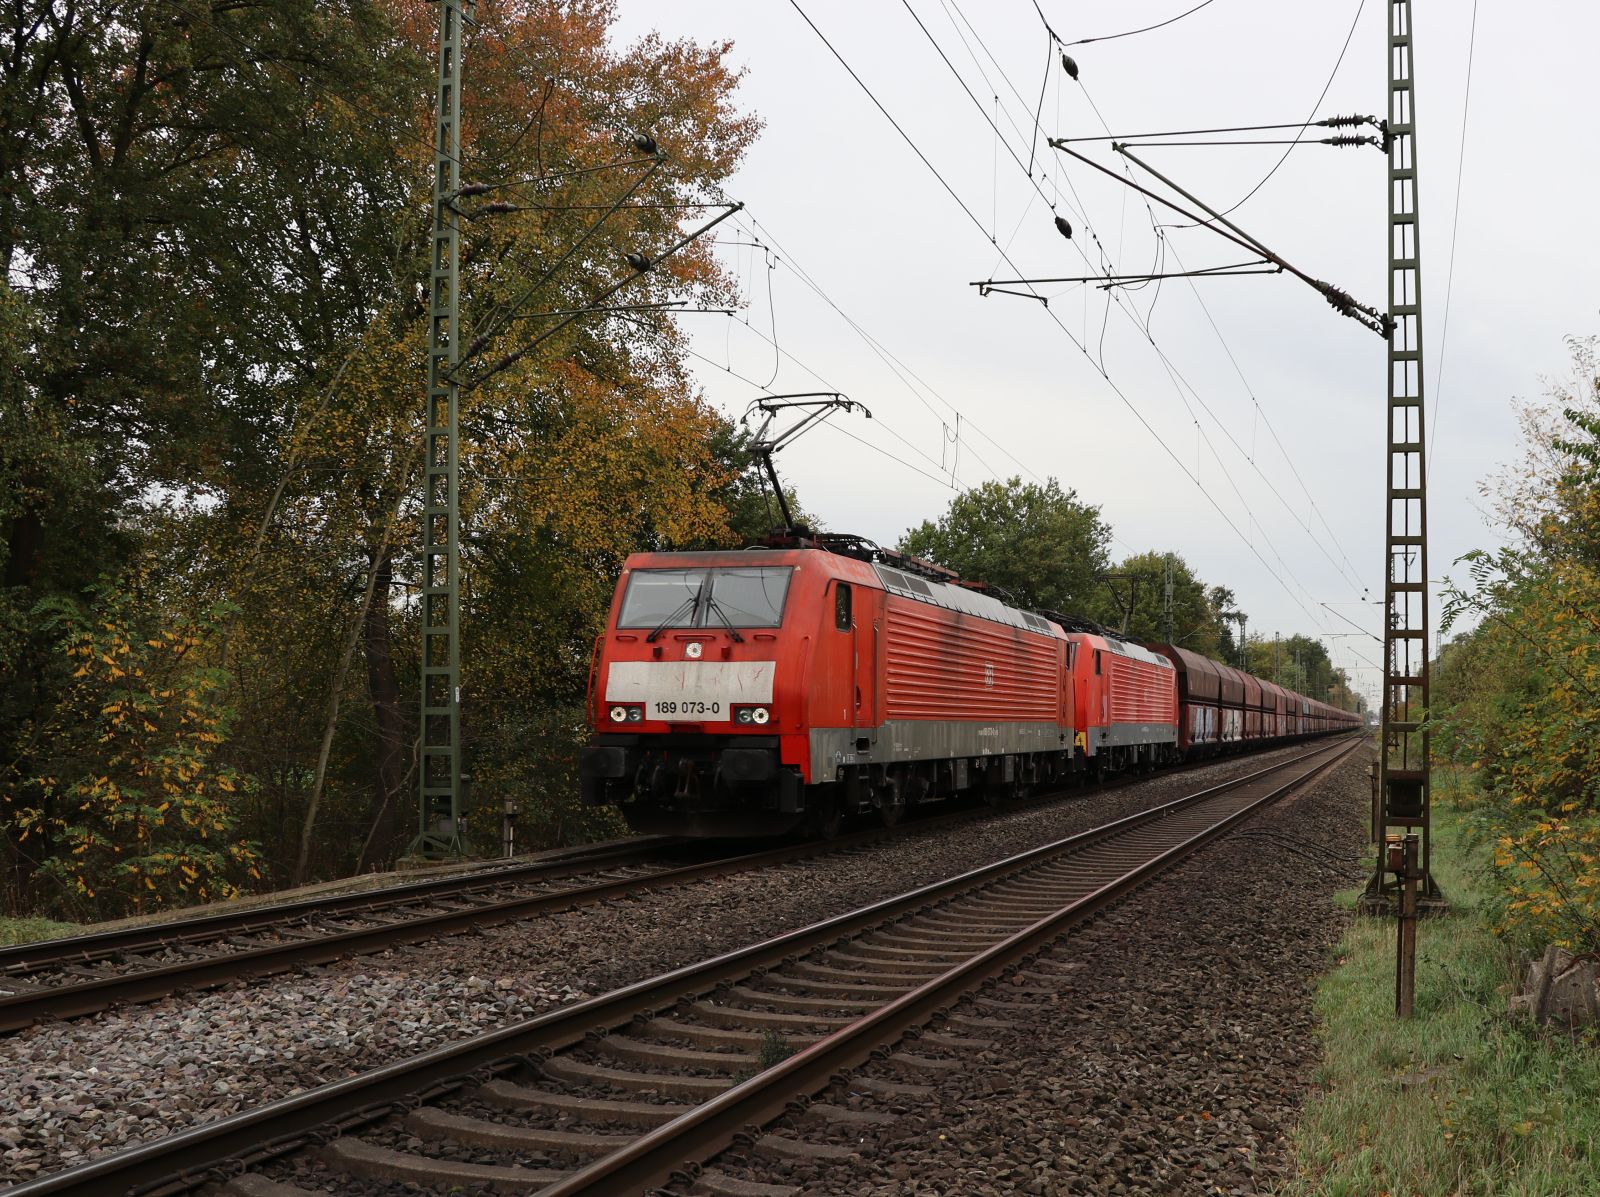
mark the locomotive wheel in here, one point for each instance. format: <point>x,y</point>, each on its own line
<point>827,819</point>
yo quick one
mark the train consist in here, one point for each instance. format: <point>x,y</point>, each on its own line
<point>771,690</point>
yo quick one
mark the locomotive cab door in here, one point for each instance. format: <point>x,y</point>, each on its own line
<point>863,630</point>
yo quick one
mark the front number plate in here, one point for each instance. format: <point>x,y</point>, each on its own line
<point>686,709</point>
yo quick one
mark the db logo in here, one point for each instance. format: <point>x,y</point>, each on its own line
<point>988,675</point>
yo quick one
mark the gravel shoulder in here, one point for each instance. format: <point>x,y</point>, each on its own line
<point>77,1090</point>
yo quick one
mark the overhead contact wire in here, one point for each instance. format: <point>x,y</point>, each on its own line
<point>1121,395</point>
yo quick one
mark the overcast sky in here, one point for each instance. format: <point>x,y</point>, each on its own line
<point>1239,365</point>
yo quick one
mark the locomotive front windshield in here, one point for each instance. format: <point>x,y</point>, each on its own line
<point>740,596</point>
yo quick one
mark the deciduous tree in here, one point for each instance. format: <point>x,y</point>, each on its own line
<point>1043,545</point>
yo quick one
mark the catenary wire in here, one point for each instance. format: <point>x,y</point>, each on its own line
<point>1249,458</point>
<point>744,378</point>
<point>1121,395</point>
<point>904,373</point>
<point>1356,20</point>
<point>1128,33</point>
<point>780,351</point>
<point>1455,228</point>
<point>1143,322</point>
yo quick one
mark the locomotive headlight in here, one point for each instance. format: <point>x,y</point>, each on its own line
<point>635,714</point>
<point>748,715</point>
<point>619,714</point>
<point>759,715</point>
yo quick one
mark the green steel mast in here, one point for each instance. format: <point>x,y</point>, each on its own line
<point>439,772</point>
<point>1404,784</point>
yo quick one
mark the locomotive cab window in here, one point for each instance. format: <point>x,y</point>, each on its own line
<point>841,606</point>
<point>740,596</point>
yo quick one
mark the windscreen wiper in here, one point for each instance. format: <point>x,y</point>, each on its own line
<point>691,604</point>
<point>716,608</point>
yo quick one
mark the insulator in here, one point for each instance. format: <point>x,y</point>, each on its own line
<point>640,262</point>
<point>1069,66</point>
<point>497,207</point>
<point>1063,227</point>
<point>473,189</point>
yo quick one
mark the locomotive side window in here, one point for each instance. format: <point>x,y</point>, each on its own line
<point>1097,662</point>
<point>841,606</point>
<point>735,596</point>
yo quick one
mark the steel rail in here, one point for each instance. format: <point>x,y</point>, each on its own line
<point>39,1001</point>
<point>100,945</point>
<point>185,1160</point>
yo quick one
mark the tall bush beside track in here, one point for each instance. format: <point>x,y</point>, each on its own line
<point>131,808</point>
<point>1517,700</point>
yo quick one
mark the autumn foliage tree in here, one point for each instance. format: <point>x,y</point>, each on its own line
<point>214,393</point>
<point>1516,698</point>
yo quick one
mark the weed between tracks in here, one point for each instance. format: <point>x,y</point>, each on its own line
<point>1461,1101</point>
<point>774,1050</point>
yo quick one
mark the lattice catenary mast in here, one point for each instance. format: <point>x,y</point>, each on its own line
<point>1404,785</point>
<point>439,772</point>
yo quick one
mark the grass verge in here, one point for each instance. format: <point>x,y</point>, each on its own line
<point>1460,1101</point>
<point>27,930</point>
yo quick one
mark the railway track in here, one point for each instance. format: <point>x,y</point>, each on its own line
<point>65,978</point>
<point>82,975</point>
<point>636,1087</point>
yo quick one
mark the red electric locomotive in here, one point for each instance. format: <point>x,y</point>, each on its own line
<point>1127,702</point>
<point>752,692</point>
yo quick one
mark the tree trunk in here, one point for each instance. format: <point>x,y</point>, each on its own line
<point>330,724</point>
<point>388,795</point>
<point>380,558</point>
